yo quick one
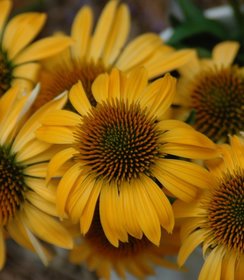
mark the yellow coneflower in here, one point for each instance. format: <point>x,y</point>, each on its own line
<point>119,153</point>
<point>216,218</point>
<point>97,52</point>
<point>137,256</point>
<point>18,58</point>
<point>213,89</point>
<point>27,206</point>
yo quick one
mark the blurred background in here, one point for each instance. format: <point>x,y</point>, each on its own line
<point>147,16</point>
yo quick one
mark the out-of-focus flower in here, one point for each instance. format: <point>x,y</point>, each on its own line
<point>97,52</point>
<point>215,218</point>
<point>137,256</point>
<point>27,206</point>
<point>213,89</point>
<point>121,154</point>
<point>19,60</point>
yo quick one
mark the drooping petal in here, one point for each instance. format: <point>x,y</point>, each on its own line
<point>46,228</point>
<point>65,186</point>
<point>212,265</point>
<point>88,213</point>
<point>189,244</point>
<point>160,202</point>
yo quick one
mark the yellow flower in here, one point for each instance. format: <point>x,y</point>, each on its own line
<point>137,257</point>
<point>213,89</point>
<point>27,206</point>
<point>216,218</point>
<point>19,60</point>
<point>97,52</point>
<point>119,153</point>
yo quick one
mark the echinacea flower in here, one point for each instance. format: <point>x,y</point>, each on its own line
<point>137,256</point>
<point>213,89</point>
<point>27,206</point>
<point>19,59</point>
<point>97,51</point>
<point>119,155</point>
<point>215,219</point>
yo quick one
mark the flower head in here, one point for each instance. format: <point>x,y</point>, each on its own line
<point>27,206</point>
<point>97,52</point>
<point>19,60</point>
<point>214,90</point>
<point>120,153</point>
<point>216,218</point>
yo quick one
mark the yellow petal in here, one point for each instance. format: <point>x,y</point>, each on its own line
<point>224,53</point>
<point>65,186</point>
<point>138,50</point>
<point>229,266</point>
<point>160,202</point>
<point>56,135</point>
<point>43,48</point>
<point>27,72</point>
<point>27,132</point>
<point>41,204</point>
<point>107,214</point>
<point>62,117</point>
<point>81,32</point>
<point>7,101</point>
<point>2,249</point>
<point>136,83</point>
<point>164,97</point>
<point>39,186</point>
<point>47,228</point>
<point>88,213</point>
<point>189,244</point>
<point>79,100</point>
<point>58,160</point>
<point>114,85</point>
<point>189,172</point>
<point>146,214</point>
<point>186,210</point>
<point>37,170</point>
<point>157,65</point>
<point>20,31</point>
<point>31,149</point>
<point>100,87</point>
<point>79,196</point>
<point>212,265</point>
<point>117,36</point>
<point>5,7</point>
<point>126,203</point>
<point>102,30</point>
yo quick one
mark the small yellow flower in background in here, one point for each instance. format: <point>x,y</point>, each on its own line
<point>19,60</point>
<point>214,90</point>
<point>27,206</point>
<point>119,154</point>
<point>216,219</point>
<point>137,256</point>
<point>97,52</point>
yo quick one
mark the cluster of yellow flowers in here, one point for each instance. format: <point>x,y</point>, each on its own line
<point>97,155</point>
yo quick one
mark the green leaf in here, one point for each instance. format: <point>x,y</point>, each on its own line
<point>187,29</point>
<point>190,10</point>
